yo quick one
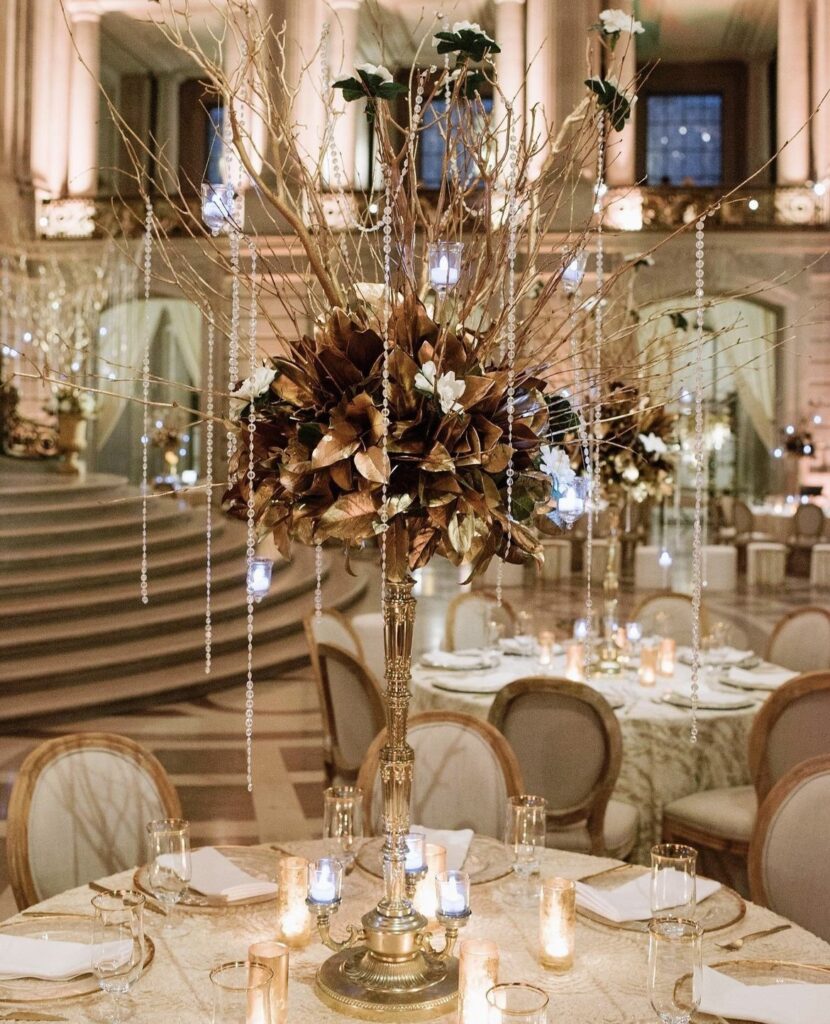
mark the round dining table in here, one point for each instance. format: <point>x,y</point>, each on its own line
<point>659,762</point>
<point>607,984</point>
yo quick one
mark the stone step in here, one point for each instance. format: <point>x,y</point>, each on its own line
<point>108,521</point>
<point>26,490</point>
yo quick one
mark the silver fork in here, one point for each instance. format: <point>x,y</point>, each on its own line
<point>735,944</point>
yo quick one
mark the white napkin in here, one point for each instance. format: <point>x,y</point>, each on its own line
<point>22,957</point>
<point>785,1003</point>
<point>523,646</point>
<point>455,842</point>
<point>632,900</point>
<point>215,875</point>
<point>707,698</point>
<point>765,677</point>
<point>717,656</point>
<point>458,660</point>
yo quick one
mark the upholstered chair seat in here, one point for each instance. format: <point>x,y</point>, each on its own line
<point>727,814</point>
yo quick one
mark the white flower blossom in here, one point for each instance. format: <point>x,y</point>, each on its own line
<point>614,21</point>
<point>448,389</point>
<point>251,388</point>
<point>384,74</point>
<point>557,465</point>
<point>631,474</point>
<point>469,26</point>
<point>653,444</point>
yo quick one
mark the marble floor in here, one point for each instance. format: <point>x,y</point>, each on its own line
<point>201,743</point>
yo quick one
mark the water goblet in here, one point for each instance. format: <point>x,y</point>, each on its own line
<point>673,880</point>
<point>169,865</point>
<point>117,944</point>
<point>495,631</point>
<point>674,953</point>
<point>517,1003</point>
<point>343,822</point>
<point>524,836</point>
<point>241,993</point>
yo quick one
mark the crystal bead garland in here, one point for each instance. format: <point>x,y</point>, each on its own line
<point>233,337</point>
<point>145,397</point>
<point>697,539</point>
<point>211,338</point>
<point>385,310</point>
<point>318,580</point>
<point>251,545</point>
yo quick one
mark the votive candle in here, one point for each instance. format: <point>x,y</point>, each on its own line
<point>546,639</point>
<point>478,972</point>
<point>293,918</point>
<point>575,663</point>
<point>453,891</point>
<point>274,955</point>
<point>647,673</point>
<point>325,880</point>
<point>668,649</point>
<point>557,923</point>
<point>425,900</point>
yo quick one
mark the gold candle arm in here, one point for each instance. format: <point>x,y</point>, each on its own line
<point>324,916</point>
<point>451,925</point>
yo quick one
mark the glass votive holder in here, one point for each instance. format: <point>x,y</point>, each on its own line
<point>325,881</point>
<point>570,503</point>
<point>647,672</point>
<point>293,918</point>
<point>581,630</point>
<point>425,900</point>
<point>545,642</point>
<point>517,1003</point>
<point>478,972</point>
<point>274,956</point>
<point>259,577</point>
<point>221,207</point>
<point>557,923</point>
<point>444,264</point>
<point>415,851</point>
<point>573,272</point>
<point>452,890</point>
<point>241,993</point>
<point>665,661</point>
<point>343,820</point>
<point>575,663</point>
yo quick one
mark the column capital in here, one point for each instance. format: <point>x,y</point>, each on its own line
<point>345,5</point>
<point>84,10</point>
<point>519,3</point>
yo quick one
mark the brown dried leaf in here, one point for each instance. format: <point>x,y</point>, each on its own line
<point>438,460</point>
<point>332,449</point>
<point>350,518</point>
<point>373,465</point>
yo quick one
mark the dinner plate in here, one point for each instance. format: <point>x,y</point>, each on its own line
<point>719,702</point>
<point>486,859</point>
<point>759,972</point>
<point>462,684</point>
<point>721,910</point>
<point>258,862</point>
<point>459,661</point>
<point>58,928</point>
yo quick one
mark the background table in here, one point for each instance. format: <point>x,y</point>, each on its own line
<point>606,986</point>
<point>659,763</point>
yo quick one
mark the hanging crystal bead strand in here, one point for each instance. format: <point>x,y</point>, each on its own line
<point>697,538</point>
<point>250,551</point>
<point>386,387</point>
<point>145,398</point>
<point>318,580</point>
<point>211,340</point>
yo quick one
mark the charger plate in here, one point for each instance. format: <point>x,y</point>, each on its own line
<point>486,859</point>
<point>758,972</point>
<point>59,928</point>
<point>258,861</point>
<point>721,910</point>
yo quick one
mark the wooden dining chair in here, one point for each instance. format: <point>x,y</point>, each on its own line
<point>792,726</point>
<point>78,811</point>
<point>676,612</point>
<point>569,746</point>
<point>790,847</point>
<point>801,640</point>
<point>468,616</point>
<point>464,772</point>
<point>808,530</point>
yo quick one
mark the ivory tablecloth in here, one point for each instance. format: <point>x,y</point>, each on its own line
<point>606,986</point>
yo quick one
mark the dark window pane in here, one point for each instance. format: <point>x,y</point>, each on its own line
<point>215,148</point>
<point>683,139</point>
<point>432,146</point>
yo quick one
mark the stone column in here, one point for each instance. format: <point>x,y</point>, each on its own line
<point>621,160</point>
<point>84,100</point>
<point>167,132</point>
<point>510,63</point>
<point>540,87</point>
<point>793,92</point>
<point>343,34</point>
<point>758,142</point>
<point>821,90</point>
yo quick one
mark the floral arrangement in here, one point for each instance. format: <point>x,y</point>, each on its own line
<point>71,402</point>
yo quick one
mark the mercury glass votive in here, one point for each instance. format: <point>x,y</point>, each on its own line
<point>478,972</point>
<point>557,923</point>
<point>545,642</point>
<point>325,881</point>
<point>274,956</point>
<point>452,890</point>
<point>425,900</point>
<point>575,663</point>
<point>293,918</point>
<point>665,661</point>
<point>647,672</point>
<point>444,264</point>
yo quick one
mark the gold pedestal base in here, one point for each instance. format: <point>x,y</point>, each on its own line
<point>360,985</point>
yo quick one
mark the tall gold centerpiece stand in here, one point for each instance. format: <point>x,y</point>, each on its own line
<point>388,969</point>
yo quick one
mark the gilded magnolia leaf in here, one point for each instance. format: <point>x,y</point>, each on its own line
<point>460,532</point>
<point>332,449</point>
<point>438,460</point>
<point>373,465</point>
<point>350,518</point>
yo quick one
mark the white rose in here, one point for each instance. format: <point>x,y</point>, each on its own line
<point>653,444</point>
<point>384,74</point>
<point>614,20</point>
<point>557,465</point>
<point>251,388</point>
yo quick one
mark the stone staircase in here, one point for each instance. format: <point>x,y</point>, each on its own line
<point>73,634</point>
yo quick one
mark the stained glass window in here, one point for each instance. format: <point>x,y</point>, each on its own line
<point>684,139</point>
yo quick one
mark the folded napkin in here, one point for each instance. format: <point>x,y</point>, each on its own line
<point>214,875</point>
<point>784,1003</point>
<point>632,900</point>
<point>765,677</point>
<point>455,842</point>
<point>711,699</point>
<point>458,660</point>
<point>523,646</point>
<point>717,656</point>
<point>22,957</point>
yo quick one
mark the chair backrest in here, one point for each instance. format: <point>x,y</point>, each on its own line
<point>676,613</point>
<point>464,773</point>
<point>468,616</point>
<point>725,509</point>
<point>743,517</point>
<point>352,708</point>
<point>78,811</point>
<point>801,640</point>
<point>792,726</point>
<point>788,853</point>
<point>569,746</point>
<point>333,628</point>
<point>808,521</point>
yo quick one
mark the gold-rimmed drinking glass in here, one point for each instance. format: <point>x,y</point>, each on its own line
<point>343,822</point>
<point>674,953</point>
<point>241,993</point>
<point>673,880</point>
<point>525,827</point>
<point>117,944</point>
<point>517,1003</point>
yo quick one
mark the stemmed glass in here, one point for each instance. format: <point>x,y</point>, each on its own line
<point>169,866</point>
<point>674,953</point>
<point>117,943</point>
<point>524,836</point>
<point>343,821</point>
